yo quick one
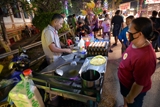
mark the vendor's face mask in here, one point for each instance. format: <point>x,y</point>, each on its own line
<point>131,37</point>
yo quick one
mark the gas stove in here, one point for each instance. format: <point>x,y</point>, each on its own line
<point>71,88</point>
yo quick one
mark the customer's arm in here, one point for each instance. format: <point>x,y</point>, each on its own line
<point>120,36</point>
<point>134,92</point>
<point>53,48</point>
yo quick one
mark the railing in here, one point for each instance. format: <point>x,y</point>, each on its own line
<point>30,46</point>
<point>16,50</point>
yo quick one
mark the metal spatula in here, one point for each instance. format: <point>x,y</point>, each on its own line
<point>59,72</point>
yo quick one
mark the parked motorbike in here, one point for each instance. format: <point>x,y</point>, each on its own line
<point>19,63</point>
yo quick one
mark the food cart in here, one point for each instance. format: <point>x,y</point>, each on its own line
<point>72,87</point>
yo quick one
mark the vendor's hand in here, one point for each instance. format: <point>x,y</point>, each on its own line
<point>129,99</point>
<point>71,47</point>
<point>68,50</point>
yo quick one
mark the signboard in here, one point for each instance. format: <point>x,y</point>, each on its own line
<point>124,6</point>
<point>152,1</point>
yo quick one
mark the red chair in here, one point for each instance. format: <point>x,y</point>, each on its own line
<point>69,42</point>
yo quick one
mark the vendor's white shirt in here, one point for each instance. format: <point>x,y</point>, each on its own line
<point>49,36</point>
<point>106,25</point>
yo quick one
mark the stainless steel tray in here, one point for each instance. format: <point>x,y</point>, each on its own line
<point>86,65</point>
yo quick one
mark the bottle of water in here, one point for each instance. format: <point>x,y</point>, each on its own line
<point>81,44</point>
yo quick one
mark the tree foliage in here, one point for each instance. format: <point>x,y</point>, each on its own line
<point>44,10</point>
<point>75,9</point>
<point>76,6</point>
<point>42,20</point>
<point>41,6</point>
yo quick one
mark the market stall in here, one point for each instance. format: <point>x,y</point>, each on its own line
<point>75,77</point>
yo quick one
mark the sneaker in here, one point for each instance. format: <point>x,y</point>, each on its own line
<point>110,51</point>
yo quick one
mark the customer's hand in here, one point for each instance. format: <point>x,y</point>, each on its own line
<point>129,99</point>
<point>68,50</point>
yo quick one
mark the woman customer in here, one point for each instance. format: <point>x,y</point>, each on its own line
<point>138,63</point>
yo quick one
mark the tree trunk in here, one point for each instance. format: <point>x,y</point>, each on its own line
<point>4,40</point>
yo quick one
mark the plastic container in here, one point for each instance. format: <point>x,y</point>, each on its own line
<point>25,93</point>
<point>83,54</point>
<point>87,43</point>
<point>81,44</point>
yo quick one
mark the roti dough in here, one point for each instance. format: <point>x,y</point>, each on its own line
<point>98,60</point>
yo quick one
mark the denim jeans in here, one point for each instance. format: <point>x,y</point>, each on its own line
<point>138,101</point>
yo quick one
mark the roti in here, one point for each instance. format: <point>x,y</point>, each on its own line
<point>98,60</point>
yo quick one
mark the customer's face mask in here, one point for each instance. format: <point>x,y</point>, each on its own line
<point>131,37</point>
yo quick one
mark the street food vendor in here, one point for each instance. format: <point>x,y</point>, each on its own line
<point>50,40</point>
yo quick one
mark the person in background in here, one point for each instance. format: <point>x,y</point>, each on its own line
<point>27,31</point>
<point>122,37</point>
<point>106,26</point>
<point>154,16</point>
<point>155,41</point>
<point>69,21</point>
<point>86,28</point>
<point>86,20</point>
<point>138,63</point>
<point>95,26</point>
<point>33,30</point>
<point>82,29</point>
<point>158,20</point>
<point>117,22</point>
<point>74,22</point>
<point>50,40</point>
<point>80,19</point>
<point>104,13</point>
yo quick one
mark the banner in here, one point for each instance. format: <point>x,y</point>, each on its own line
<point>124,6</point>
<point>152,1</point>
